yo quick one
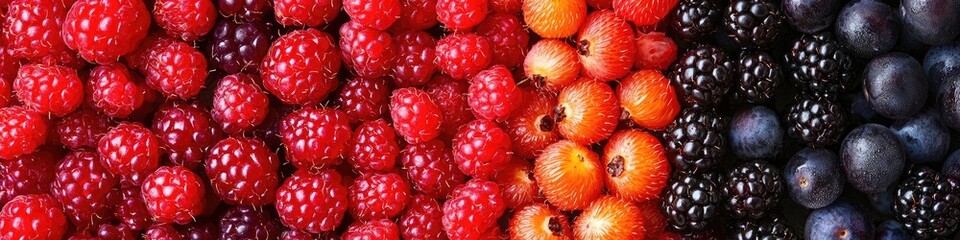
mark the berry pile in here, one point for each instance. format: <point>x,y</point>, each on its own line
<point>479,119</point>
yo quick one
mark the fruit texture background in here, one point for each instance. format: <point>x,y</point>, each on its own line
<point>479,119</point>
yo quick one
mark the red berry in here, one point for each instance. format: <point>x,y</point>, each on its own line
<point>552,64</point>
<point>610,218</point>
<point>301,67</point>
<point>461,15</point>
<point>422,220</point>
<point>655,50</point>
<point>115,91</point>
<point>481,149</point>
<point>540,221</point>
<point>129,148</point>
<point>554,18</point>
<point>27,174</point>
<point>600,4</point>
<point>508,38</point>
<point>605,44</point>
<point>377,14</point>
<point>636,166</point>
<point>310,13</point>
<point>131,211</point>
<point>416,15</point>
<point>300,235</point>
<point>82,186</point>
<point>532,127</point>
<point>177,70</point>
<point>462,55</point>
<point>5,96</point>
<point>493,94</point>
<point>587,111</point>
<point>315,137</point>
<point>569,174</point>
<point>644,12</point>
<point>512,7</point>
<point>472,209</point>
<point>239,223</point>
<point>103,30</point>
<point>313,202</point>
<point>414,65</point>
<point>173,194</point>
<point>249,10</point>
<point>649,99</point>
<point>655,222</point>
<point>374,196</point>
<point>430,168</point>
<point>239,104</point>
<point>517,184</point>
<point>243,171</point>
<point>451,96</point>
<point>32,217</point>
<point>137,59</point>
<point>364,99</point>
<point>185,19</point>
<point>82,128</point>
<point>49,89</point>
<point>200,230</point>
<point>376,229</point>
<point>162,232</point>
<point>21,132</point>
<point>374,147</point>
<point>32,28</point>
<point>416,117</point>
<point>185,131</point>
<point>115,232</point>
<point>369,52</point>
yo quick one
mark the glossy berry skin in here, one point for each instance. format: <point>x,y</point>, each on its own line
<point>115,91</point>
<point>315,137</point>
<point>162,231</point>
<point>814,177</point>
<point>931,22</point>
<point>554,19</point>
<point>810,16</point>
<point>881,80</point>
<point>870,154</point>
<point>611,218</point>
<point>569,175</point>
<point>532,127</point>
<point>310,13</point>
<point>540,221</point>
<point>5,96</point>
<point>173,194</point>
<point>472,209</point>
<point>373,147</point>
<point>415,116</point>
<point>131,211</point>
<point>925,137</point>
<point>375,196</point>
<point>34,216</point>
<point>185,19</point>
<point>643,13</point>
<point>27,174</point>
<point>430,168</point>
<point>517,184</point>
<point>365,99</point>
<point>22,132</point>
<point>552,64</point>
<point>82,128</point>
<point>129,148</point>
<point>185,131</point>
<point>290,69</point>
<point>239,46</point>
<point>415,15</point>
<point>313,202</point>
<point>367,51</point>
<point>49,89</point>
<point>459,16</point>
<point>636,165</point>
<point>82,186</point>
<point>839,221</point>
<point>372,13</point>
<point>422,220</point>
<point>867,28</point>
<point>493,94</point>
<point>462,55</point>
<point>177,70</point>
<point>249,10</point>
<point>510,41</point>
<point>239,104</point>
<point>120,25</point>
<point>249,223</point>
<point>451,96</point>
<point>755,133</point>
<point>376,229</point>
<point>32,28</point>
<point>655,50</point>
<point>481,148</point>
<point>587,111</point>
<point>606,47</point>
<point>649,99</point>
<point>415,64</point>
<point>243,171</point>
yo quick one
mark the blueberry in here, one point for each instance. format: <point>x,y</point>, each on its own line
<point>951,167</point>
<point>949,101</point>
<point>839,221</point>
<point>933,22</point>
<point>755,133</point>
<point>924,136</point>
<point>867,28</point>
<point>894,85</point>
<point>873,158</point>
<point>858,104</point>
<point>810,16</point>
<point>883,201</point>
<point>941,62</point>
<point>813,177</point>
<point>892,230</point>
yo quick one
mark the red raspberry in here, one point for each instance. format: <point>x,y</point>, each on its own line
<point>240,222</point>
<point>422,220</point>
<point>415,116</point>
<point>32,217</point>
<point>115,232</point>
<point>472,210</point>
<point>532,127</point>
<point>374,147</point>
<point>655,50</point>
<point>291,234</point>
<point>49,89</point>
<point>249,10</point>
<point>377,14</point>
<point>512,7</point>
<point>606,46</point>
<point>177,70</point>
<point>374,196</point>
<point>643,13</point>
<point>301,67</point>
<point>481,149</point>
<point>82,128</point>
<point>5,97</point>
<point>310,13</point>
<point>185,131</point>
<point>185,19</point>
<point>508,38</point>
<point>416,15</point>
<point>314,202</point>
<point>461,55</point>
<point>461,15</point>
<point>364,99</point>
<point>315,137</point>
<point>243,171</point>
<point>162,231</point>
<point>173,194</point>
<point>32,28</point>
<point>431,169</point>
<point>27,174</point>
<point>115,91</point>
<point>493,94</point>
<point>238,103</point>
<point>21,132</point>
<point>131,211</point>
<point>517,184</point>
<point>103,30</point>
<point>8,64</point>
<point>451,96</point>
<point>369,52</point>
<point>82,186</point>
<point>137,59</point>
<point>129,148</point>
<point>376,229</point>
<point>415,62</point>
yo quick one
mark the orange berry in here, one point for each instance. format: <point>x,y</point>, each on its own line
<point>569,175</point>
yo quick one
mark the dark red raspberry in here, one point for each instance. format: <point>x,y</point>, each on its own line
<point>310,13</point>
<point>21,132</point>
<point>416,15</point>
<point>32,28</point>
<point>508,38</point>
<point>83,128</point>
<point>451,96</point>
<point>532,127</point>
<point>517,184</point>
<point>377,14</point>
<point>27,174</point>
<point>103,30</point>
<point>173,194</point>
<point>416,117</point>
<point>415,62</point>
<point>131,211</point>
<point>162,231</point>
<point>239,223</point>
<point>115,232</point>
<point>32,217</point>
<point>239,104</point>
<point>49,89</point>
<point>374,147</point>
<point>493,94</point>
<point>243,171</point>
<point>177,70</point>
<point>375,196</point>
<point>431,169</point>
<point>365,99</point>
<point>201,230</point>
<point>655,50</point>
<point>249,10</point>
<point>315,137</point>
<point>422,220</point>
<point>512,7</point>
<point>313,202</point>
<point>461,15</point>
<point>185,131</point>
<point>185,19</point>
<point>299,235</point>
<point>129,148</point>
<point>481,148</point>
<point>115,91</point>
<point>82,186</point>
<point>371,53</point>
<point>137,59</point>
<point>238,45</point>
<point>472,210</point>
<point>461,55</point>
<point>375,229</point>
<point>5,83</point>
<point>301,67</point>
<point>8,65</point>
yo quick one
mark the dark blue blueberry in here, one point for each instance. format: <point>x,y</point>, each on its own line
<point>872,158</point>
<point>810,16</point>
<point>924,136</point>
<point>949,101</point>
<point>867,28</point>
<point>892,230</point>
<point>814,178</point>
<point>941,62</point>
<point>883,201</point>
<point>857,103</point>
<point>894,85</point>
<point>755,133</point>
<point>909,44</point>
<point>933,22</point>
<point>839,221</point>
<point>951,167</point>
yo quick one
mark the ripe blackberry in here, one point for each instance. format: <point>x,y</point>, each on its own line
<point>770,228</point>
<point>694,19</point>
<point>694,141</point>
<point>816,121</point>
<point>753,23</point>
<point>928,203</point>
<point>703,75</point>
<point>752,189</point>
<point>817,63</point>
<point>238,45</point>
<point>690,202</point>
<point>759,75</point>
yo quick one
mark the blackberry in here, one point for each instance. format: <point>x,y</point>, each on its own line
<point>816,121</point>
<point>759,75</point>
<point>753,23</point>
<point>248,223</point>
<point>238,45</point>
<point>766,229</point>
<point>690,203</point>
<point>928,203</point>
<point>695,19</point>
<point>817,64</point>
<point>694,140</point>
<point>751,189</point>
<point>703,75</point>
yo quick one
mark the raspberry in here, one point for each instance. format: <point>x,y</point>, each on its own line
<point>374,147</point>
<point>451,96</point>
<point>82,128</point>
<point>554,18</point>
<point>416,117</point>
<point>462,55</point>
<point>301,67</point>
<point>539,221</point>
<point>532,127</point>
<point>243,171</point>
<point>430,168</point>
<point>137,59</point>
<point>162,232</point>
<point>416,15</point>
<point>415,59</point>
<point>300,235</point>
<point>481,149</point>
<point>129,148</point>
<point>655,50</point>
<point>315,137</point>
<point>512,7</point>
<point>472,209</point>
<point>310,13</point>
<point>493,94</point>
<point>587,111</point>
<point>200,230</point>
<point>249,223</point>
<point>377,229</point>
<point>8,67</point>
<point>185,131</point>
<point>600,4</point>
<point>5,97</point>
<point>517,184</point>
<point>185,19</point>
<point>173,194</point>
<point>115,91</point>
<point>649,99</point>
<point>21,132</point>
<point>552,64</point>
<point>377,14</point>
<point>369,52</point>
<point>32,28</point>
<point>364,99</point>
<point>569,174</point>
<point>461,15</point>
<point>422,220</point>
<point>249,10</point>
<point>131,211</point>
<point>374,196</point>
<point>606,46</point>
<point>103,30</point>
<point>27,174</point>
<point>115,232</point>
<point>239,104</point>
<point>238,46</point>
<point>314,202</point>
<point>49,89</point>
<point>82,186</point>
<point>32,217</point>
<point>508,38</point>
<point>177,70</point>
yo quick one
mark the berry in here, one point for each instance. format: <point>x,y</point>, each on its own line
<point>365,99</point>
<point>6,98</point>
<point>249,10</point>
<point>21,132</point>
<point>249,223</point>
<point>753,23</point>
<point>415,64</point>
<point>649,99</point>
<point>752,189</point>
<point>176,70</point>
<point>119,232</point>
<point>162,232</point>
<point>459,15</point>
<point>422,220</point>
<point>373,14</point>
<point>606,47</point>
<point>315,137</point>
<point>416,15</point>
<point>185,19</point>
<point>367,51</point>
<point>539,221</point>
<point>137,59</point>
<point>838,221</point>
<point>373,147</point>
<point>415,116</point>
<point>238,46</point>
<point>695,19</point>
<point>655,51</point>
<point>32,28</point>
<point>173,194</point>
<point>816,122</point>
<point>205,230</point>
<point>301,67</point>
<point>376,229</point>
<point>82,186</point>
<point>129,148</point>
<point>131,211</point>
<point>185,131</point>
<point>115,91</point>
<point>513,7</point>
<point>810,16</point>
<point>920,17</point>
<point>120,25</point>
<point>569,175</point>
<point>430,168</point>
<point>636,166</point>
<point>32,217</point>
<point>755,133</point>
<point>554,19</point>
<point>871,153</point>
<point>493,94</point>
<point>891,229</point>
<point>695,141</point>
<point>925,137</point>
<point>818,64</point>
<point>481,148</point>
<point>867,28</point>
<point>82,128</point>
<point>654,222</point>
<point>243,171</point>
<point>517,184</point>
<point>27,174</point>
<point>376,195</point>
<point>239,104</point>
<point>508,38</point>
<point>462,55</point>
<point>313,202</point>
<point>899,77</point>
<point>703,75</point>
<point>532,128</point>
<point>926,203</point>
<point>643,13</point>
<point>49,89</point>
<point>770,228</point>
<point>472,210</point>
<point>587,111</point>
<point>691,202</point>
<point>814,177</point>
<point>309,13</point>
<point>610,218</point>
<point>759,77</point>
<point>552,64</point>
<point>451,96</point>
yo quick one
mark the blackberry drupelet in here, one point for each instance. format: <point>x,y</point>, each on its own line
<point>752,189</point>
<point>702,75</point>
<point>694,141</point>
<point>816,121</point>
<point>753,23</point>
<point>928,203</point>
<point>759,75</point>
<point>690,203</point>
<point>249,223</point>
<point>817,64</point>
<point>764,229</point>
<point>238,45</point>
<point>693,19</point>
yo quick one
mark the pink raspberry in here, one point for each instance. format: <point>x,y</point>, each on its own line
<point>451,96</point>
<point>313,202</point>
<point>310,13</point>
<point>173,194</point>
<point>243,171</point>
<point>185,131</point>
<point>185,19</point>
<point>364,99</point>
<point>32,217</point>
<point>376,229</point>
<point>301,67</point>
<point>115,91</point>
<point>461,15</point>
<point>462,55</point>
<point>376,195</point>
<point>472,209</point>
<point>21,132</point>
<point>82,128</point>
<point>239,104</point>
<point>49,89</point>
<point>129,148</point>
<point>422,219</point>
<point>493,94</point>
<point>430,168</point>
<point>374,147</point>
<point>27,174</point>
<point>481,148</point>
<point>415,116</point>
<point>82,186</point>
<point>315,137</point>
<point>32,28</point>
<point>508,38</point>
<point>416,15</point>
<point>103,30</point>
<point>369,52</point>
<point>415,63</point>
<point>177,70</point>
<point>377,14</point>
